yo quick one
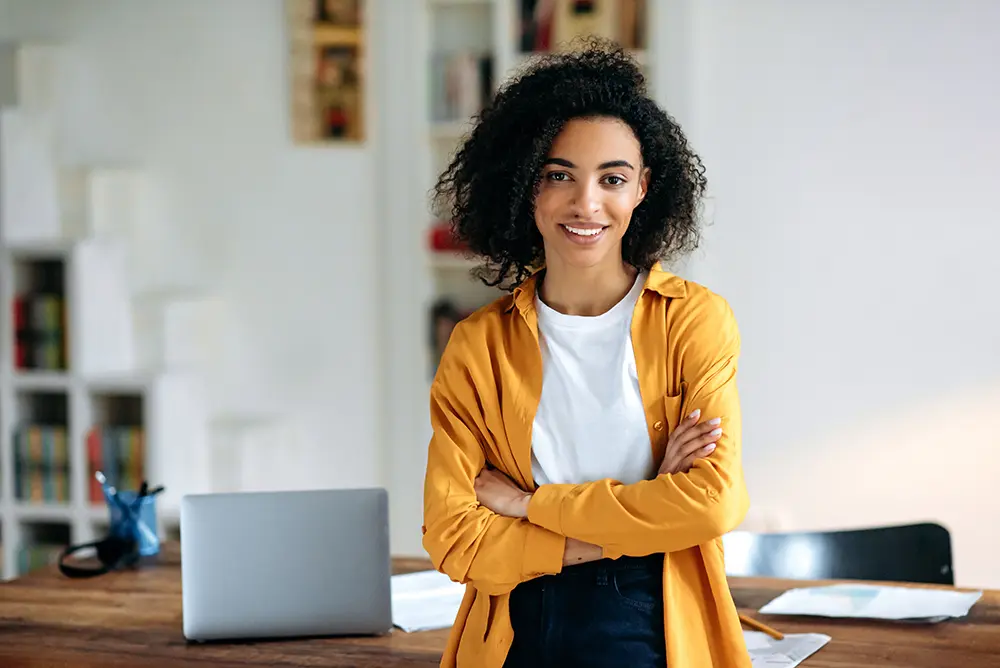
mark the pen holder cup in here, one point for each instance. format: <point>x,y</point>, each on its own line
<point>133,517</point>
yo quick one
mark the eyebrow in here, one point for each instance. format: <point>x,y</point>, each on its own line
<point>604,165</point>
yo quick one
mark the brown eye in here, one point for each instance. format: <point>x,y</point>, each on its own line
<point>614,180</point>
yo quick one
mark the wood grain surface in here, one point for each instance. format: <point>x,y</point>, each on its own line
<point>133,618</point>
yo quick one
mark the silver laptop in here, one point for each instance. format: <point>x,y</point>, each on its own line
<point>258,565</point>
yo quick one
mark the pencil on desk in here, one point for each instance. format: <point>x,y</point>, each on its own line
<point>754,624</point>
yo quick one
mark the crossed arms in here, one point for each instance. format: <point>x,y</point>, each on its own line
<point>673,511</point>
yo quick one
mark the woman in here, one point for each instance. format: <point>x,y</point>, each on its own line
<point>563,484</point>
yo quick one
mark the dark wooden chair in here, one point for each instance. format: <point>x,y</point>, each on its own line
<point>903,553</point>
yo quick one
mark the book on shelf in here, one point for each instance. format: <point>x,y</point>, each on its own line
<point>441,238</point>
<point>461,84</point>
<point>31,557</point>
<point>39,331</point>
<point>41,464</point>
<point>118,452</point>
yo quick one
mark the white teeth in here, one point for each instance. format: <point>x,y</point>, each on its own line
<point>584,233</point>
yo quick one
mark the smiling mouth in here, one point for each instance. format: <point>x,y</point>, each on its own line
<point>583,236</point>
<point>584,231</point>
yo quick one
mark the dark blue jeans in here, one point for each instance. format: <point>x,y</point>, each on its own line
<point>602,613</point>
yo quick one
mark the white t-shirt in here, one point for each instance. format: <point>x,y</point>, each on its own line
<point>590,422</point>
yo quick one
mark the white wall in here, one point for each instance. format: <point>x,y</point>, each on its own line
<point>853,151</point>
<point>197,92</point>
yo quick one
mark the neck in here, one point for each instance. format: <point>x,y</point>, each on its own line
<point>587,291</point>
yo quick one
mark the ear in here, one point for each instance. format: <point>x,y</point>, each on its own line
<point>643,185</point>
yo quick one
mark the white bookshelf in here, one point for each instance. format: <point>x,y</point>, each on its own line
<point>129,356</point>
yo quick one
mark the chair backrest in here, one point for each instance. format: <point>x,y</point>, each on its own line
<point>905,553</point>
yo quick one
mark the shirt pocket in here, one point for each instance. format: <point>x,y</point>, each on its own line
<point>673,408</point>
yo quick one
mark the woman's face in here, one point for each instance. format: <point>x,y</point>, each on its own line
<point>591,182</point>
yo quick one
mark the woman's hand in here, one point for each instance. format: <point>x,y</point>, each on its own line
<point>691,440</point>
<point>499,493</point>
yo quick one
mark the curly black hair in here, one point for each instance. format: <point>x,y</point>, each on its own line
<point>488,189</point>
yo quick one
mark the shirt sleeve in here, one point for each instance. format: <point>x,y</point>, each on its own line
<point>672,511</point>
<point>467,541</point>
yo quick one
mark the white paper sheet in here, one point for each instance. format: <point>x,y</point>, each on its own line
<point>793,649</point>
<point>873,602</point>
<point>425,600</point>
<point>429,600</point>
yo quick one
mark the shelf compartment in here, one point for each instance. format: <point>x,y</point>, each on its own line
<point>623,21</point>
<point>462,83</point>
<point>462,65</point>
<point>115,443</point>
<point>41,544</point>
<point>39,313</point>
<point>328,51</point>
<point>40,448</point>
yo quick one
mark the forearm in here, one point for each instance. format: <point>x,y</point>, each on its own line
<point>667,514</point>
<point>492,552</point>
<point>579,552</point>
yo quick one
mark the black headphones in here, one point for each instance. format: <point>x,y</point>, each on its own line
<point>114,553</point>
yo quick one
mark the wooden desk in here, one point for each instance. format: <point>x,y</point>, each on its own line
<point>133,618</point>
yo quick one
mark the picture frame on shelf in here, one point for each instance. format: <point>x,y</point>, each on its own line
<point>327,67</point>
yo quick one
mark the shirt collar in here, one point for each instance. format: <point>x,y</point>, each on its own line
<point>658,280</point>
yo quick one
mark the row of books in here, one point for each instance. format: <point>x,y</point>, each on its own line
<point>41,464</point>
<point>41,461</point>
<point>39,331</point>
<point>118,452</point>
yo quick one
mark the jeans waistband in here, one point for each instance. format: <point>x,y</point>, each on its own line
<point>652,563</point>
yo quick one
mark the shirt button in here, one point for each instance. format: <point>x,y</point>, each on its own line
<point>658,425</point>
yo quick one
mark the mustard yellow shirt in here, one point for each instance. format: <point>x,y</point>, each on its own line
<point>483,402</point>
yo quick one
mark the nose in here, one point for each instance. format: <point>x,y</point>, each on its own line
<point>586,200</point>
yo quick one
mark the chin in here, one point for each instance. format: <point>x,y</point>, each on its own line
<point>584,258</point>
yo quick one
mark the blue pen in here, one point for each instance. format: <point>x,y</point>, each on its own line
<point>110,493</point>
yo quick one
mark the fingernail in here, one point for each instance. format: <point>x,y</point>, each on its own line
<point>715,432</point>
<point>715,421</point>
<point>696,413</point>
<point>710,447</point>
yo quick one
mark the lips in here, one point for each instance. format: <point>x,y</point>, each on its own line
<point>584,233</point>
